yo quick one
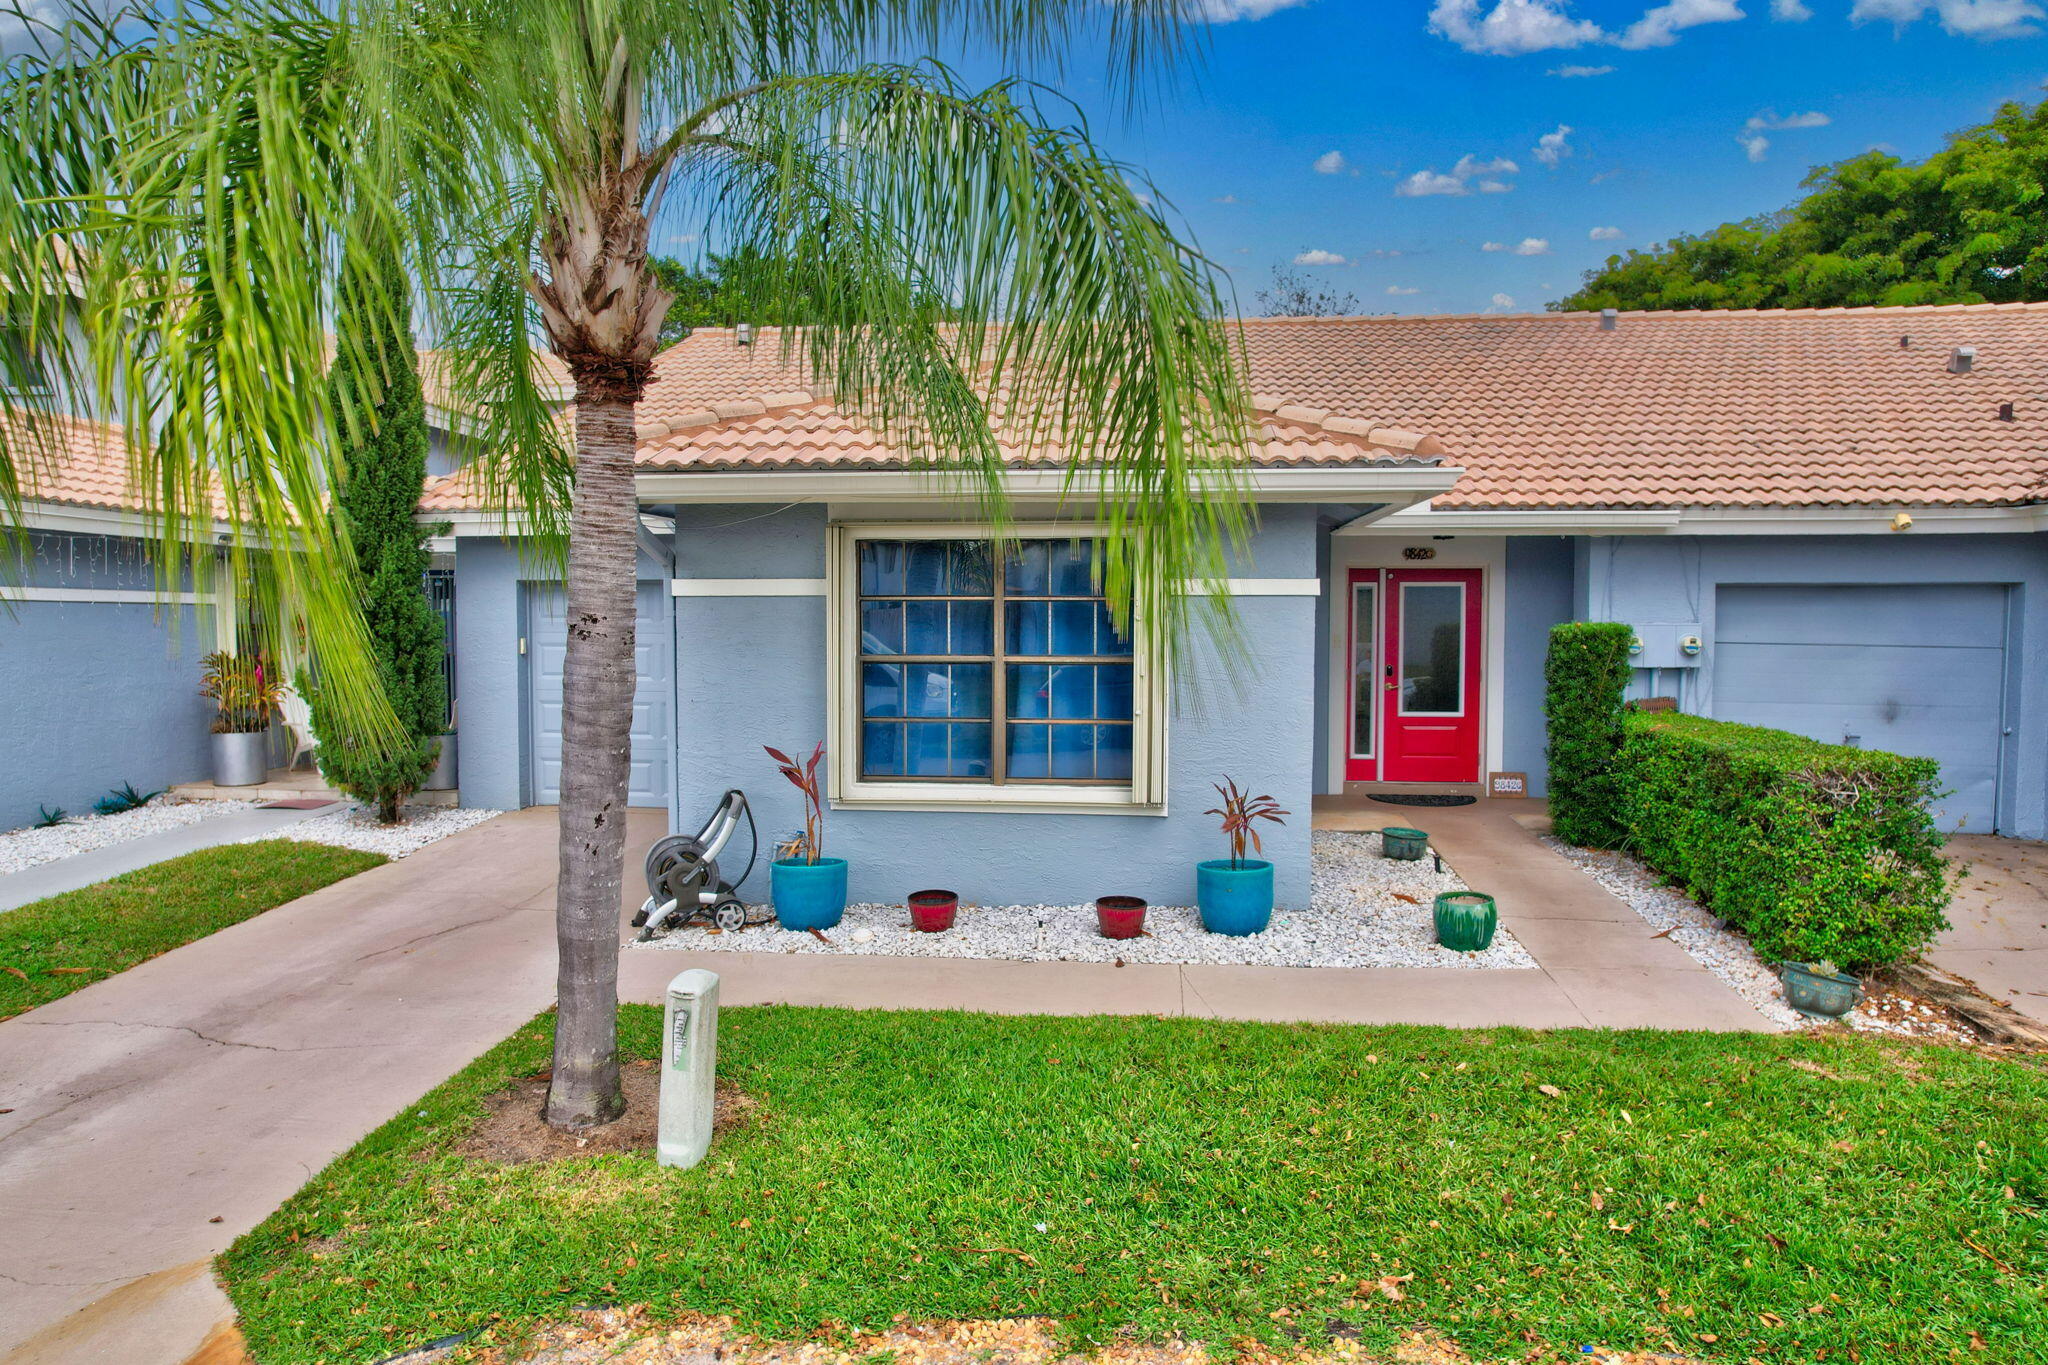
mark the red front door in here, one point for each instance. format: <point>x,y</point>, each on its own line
<point>1414,696</point>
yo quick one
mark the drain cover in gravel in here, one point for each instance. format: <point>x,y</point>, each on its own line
<point>1426,799</point>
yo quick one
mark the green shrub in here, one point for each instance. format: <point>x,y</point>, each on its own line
<point>1584,677</point>
<point>1813,850</point>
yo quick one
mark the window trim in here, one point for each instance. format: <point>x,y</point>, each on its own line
<point>47,385</point>
<point>1145,794</point>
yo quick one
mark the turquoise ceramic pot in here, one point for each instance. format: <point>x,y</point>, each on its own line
<point>1235,898</point>
<point>808,895</point>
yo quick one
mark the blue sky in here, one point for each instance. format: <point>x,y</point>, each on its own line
<point>1380,131</point>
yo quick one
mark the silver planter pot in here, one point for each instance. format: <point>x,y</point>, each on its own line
<point>443,777</point>
<point>241,760</point>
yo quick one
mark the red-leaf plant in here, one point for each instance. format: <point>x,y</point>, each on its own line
<point>1239,810</point>
<point>804,777</point>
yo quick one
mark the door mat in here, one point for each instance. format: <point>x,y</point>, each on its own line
<point>302,803</point>
<point>1424,799</point>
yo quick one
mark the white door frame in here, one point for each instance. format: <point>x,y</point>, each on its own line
<point>1372,548</point>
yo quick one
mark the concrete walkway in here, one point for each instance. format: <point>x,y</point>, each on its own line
<point>1599,964</point>
<point>156,1116</point>
<point>98,864</point>
<point>1998,923</point>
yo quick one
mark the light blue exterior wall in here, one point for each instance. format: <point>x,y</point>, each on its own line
<point>751,671</point>
<point>98,693</point>
<point>1539,596</point>
<point>1672,581</point>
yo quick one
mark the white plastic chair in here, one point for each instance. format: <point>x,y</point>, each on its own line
<point>297,715</point>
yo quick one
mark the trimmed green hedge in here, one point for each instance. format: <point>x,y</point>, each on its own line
<point>1585,676</point>
<point>1813,850</point>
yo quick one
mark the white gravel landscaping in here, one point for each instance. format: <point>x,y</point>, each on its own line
<point>1365,911</point>
<point>21,849</point>
<point>1722,951</point>
<point>357,828</point>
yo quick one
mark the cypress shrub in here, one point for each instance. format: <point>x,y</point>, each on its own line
<point>1584,677</point>
<point>376,388</point>
<point>1816,851</point>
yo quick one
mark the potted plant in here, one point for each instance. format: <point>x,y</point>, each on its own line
<point>1465,920</point>
<point>808,888</point>
<point>1119,916</point>
<point>246,691</point>
<point>1819,990</point>
<point>1235,894</point>
<point>932,912</point>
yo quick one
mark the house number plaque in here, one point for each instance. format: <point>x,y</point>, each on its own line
<point>1418,552</point>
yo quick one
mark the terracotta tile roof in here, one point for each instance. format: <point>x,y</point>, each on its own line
<point>72,462</point>
<point>1739,408</point>
<point>717,405</point>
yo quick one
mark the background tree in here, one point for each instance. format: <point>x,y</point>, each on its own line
<point>727,290</point>
<point>1294,295</point>
<point>1966,225</point>
<point>199,164</point>
<point>375,381</point>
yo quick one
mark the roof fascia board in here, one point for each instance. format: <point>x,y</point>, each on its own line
<point>1866,520</point>
<point>1421,520</point>
<point>99,521</point>
<point>1400,487</point>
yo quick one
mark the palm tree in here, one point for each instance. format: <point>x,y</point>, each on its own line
<point>200,181</point>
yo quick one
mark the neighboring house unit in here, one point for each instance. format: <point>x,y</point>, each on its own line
<point>1830,521</point>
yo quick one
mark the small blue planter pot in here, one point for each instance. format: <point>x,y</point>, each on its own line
<point>808,895</point>
<point>1235,899</point>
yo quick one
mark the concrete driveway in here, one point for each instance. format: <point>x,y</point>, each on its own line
<point>154,1117</point>
<point>1998,924</point>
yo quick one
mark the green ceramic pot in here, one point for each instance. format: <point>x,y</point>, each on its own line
<point>1818,996</point>
<point>1465,920</point>
<point>1404,844</point>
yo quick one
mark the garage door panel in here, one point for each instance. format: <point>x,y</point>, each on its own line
<point>1911,669</point>
<point>647,782</point>
<point>1896,614</point>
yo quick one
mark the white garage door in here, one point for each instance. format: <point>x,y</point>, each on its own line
<point>547,644</point>
<point>1913,669</point>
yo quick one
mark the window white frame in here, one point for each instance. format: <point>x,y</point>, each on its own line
<point>1145,794</point>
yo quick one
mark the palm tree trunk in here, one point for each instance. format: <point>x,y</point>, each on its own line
<point>597,719</point>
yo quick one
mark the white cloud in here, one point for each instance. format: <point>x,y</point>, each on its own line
<point>1317,256</point>
<point>1528,246</point>
<point>1790,11</point>
<point>1986,19</point>
<point>1224,11</point>
<point>1333,163</point>
<point>1511,27</point>
<point>1469,174</point>
<point>1752,140</point>
<point>1430,182</point>
<point>1501,302</point>
<point>1469,166</point>
<point>1493,246</point>
<point>1770,118</point>
<point>1578,73</point>
<point>1604,234</point>
<point>1552,148</point>
<point>1659,27</point>
<point>1224,199</point>
<point>1402,290</point>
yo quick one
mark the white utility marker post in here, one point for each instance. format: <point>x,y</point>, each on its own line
<point>689,1068</point>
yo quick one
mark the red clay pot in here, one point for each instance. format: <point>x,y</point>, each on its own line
<point>1120,916</point>
<point>931,912</point>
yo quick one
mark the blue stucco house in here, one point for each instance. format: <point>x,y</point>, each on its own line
<point>1832,521</point>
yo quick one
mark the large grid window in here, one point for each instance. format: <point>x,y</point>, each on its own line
<point>990,665</point>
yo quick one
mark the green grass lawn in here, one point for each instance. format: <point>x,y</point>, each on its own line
<point>50,948</point>
<point>1727,1196</point>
